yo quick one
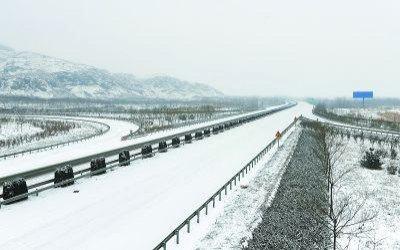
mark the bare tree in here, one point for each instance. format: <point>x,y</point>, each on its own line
<point>344,214</point>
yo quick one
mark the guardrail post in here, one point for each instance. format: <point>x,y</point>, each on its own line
<point>198,216</point>
<point>219,195</point>
<point>188,226</point>
<point>213,200</point>
<point>226,190</point>
<point>177,236</point>
<point>207,208</point>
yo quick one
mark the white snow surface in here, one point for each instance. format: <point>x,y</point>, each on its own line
<point>230,224</point>
<point>10,130</point>
<point>135,207</point>
<point>13,130</point>
<point>383,198</point>
<point>107,141</point>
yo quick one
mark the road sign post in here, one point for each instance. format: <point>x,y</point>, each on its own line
<point>363,95</point>
<point>278,136</point>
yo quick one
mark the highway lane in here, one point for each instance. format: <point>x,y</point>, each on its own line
<point>79,155</point>
<point>137,206</point>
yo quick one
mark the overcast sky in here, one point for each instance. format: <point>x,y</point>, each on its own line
<point>297,48</point>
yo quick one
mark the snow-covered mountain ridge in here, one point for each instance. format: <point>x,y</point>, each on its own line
<point>35,75</point>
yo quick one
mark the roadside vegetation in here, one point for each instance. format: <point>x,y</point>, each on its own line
<point>358,120</point>
<point>150,115</point>
<point>362,190</point>
<point>291,222</point>
<point>339,191</point>
<point>19,133</point>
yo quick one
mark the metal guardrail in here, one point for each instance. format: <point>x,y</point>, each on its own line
<point>48,169</point>
<point>355,129</point>
<point>179,125</point>
<point>56,145</point>
<point>355,121</point>
<point>218,194</point>
<point>242,172</point>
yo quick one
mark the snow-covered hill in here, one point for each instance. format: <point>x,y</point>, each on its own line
<point>36,75</point>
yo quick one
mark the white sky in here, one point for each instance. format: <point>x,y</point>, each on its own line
<point>297,48</point>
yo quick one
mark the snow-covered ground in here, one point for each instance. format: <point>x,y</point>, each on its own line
<point>137,206</point>
<point>371,113</point>
<point>362,112</point>
<point>110,141</point>
<point>230,225</point>
<point>10,130</point>
<point>28,138</point>
<point>107,141</point>
<point>382,192</point>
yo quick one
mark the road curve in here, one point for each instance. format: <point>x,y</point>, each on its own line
<point>107,141</point>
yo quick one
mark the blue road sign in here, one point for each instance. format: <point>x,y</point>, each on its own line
<point>363,94</point>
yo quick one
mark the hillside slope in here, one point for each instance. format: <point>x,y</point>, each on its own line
<point>35,75</point>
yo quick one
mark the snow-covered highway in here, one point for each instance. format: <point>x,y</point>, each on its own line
<point>109,147</point>
<point>137,206</point>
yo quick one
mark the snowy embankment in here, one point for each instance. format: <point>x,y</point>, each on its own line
<point>109,140</point>
<point>19,133</point>
<point>137,206</point>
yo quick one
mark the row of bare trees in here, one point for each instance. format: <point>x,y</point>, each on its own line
<point>345,214</point>
<point>47,128</point>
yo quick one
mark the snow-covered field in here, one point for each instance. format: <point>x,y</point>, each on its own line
<point>372,113</point>
<point>109,140</point>
<point>10,130</point>
<point>21,134</point>
<point>382,192</point>
<point>366,113</point>
<point>137,206</point>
